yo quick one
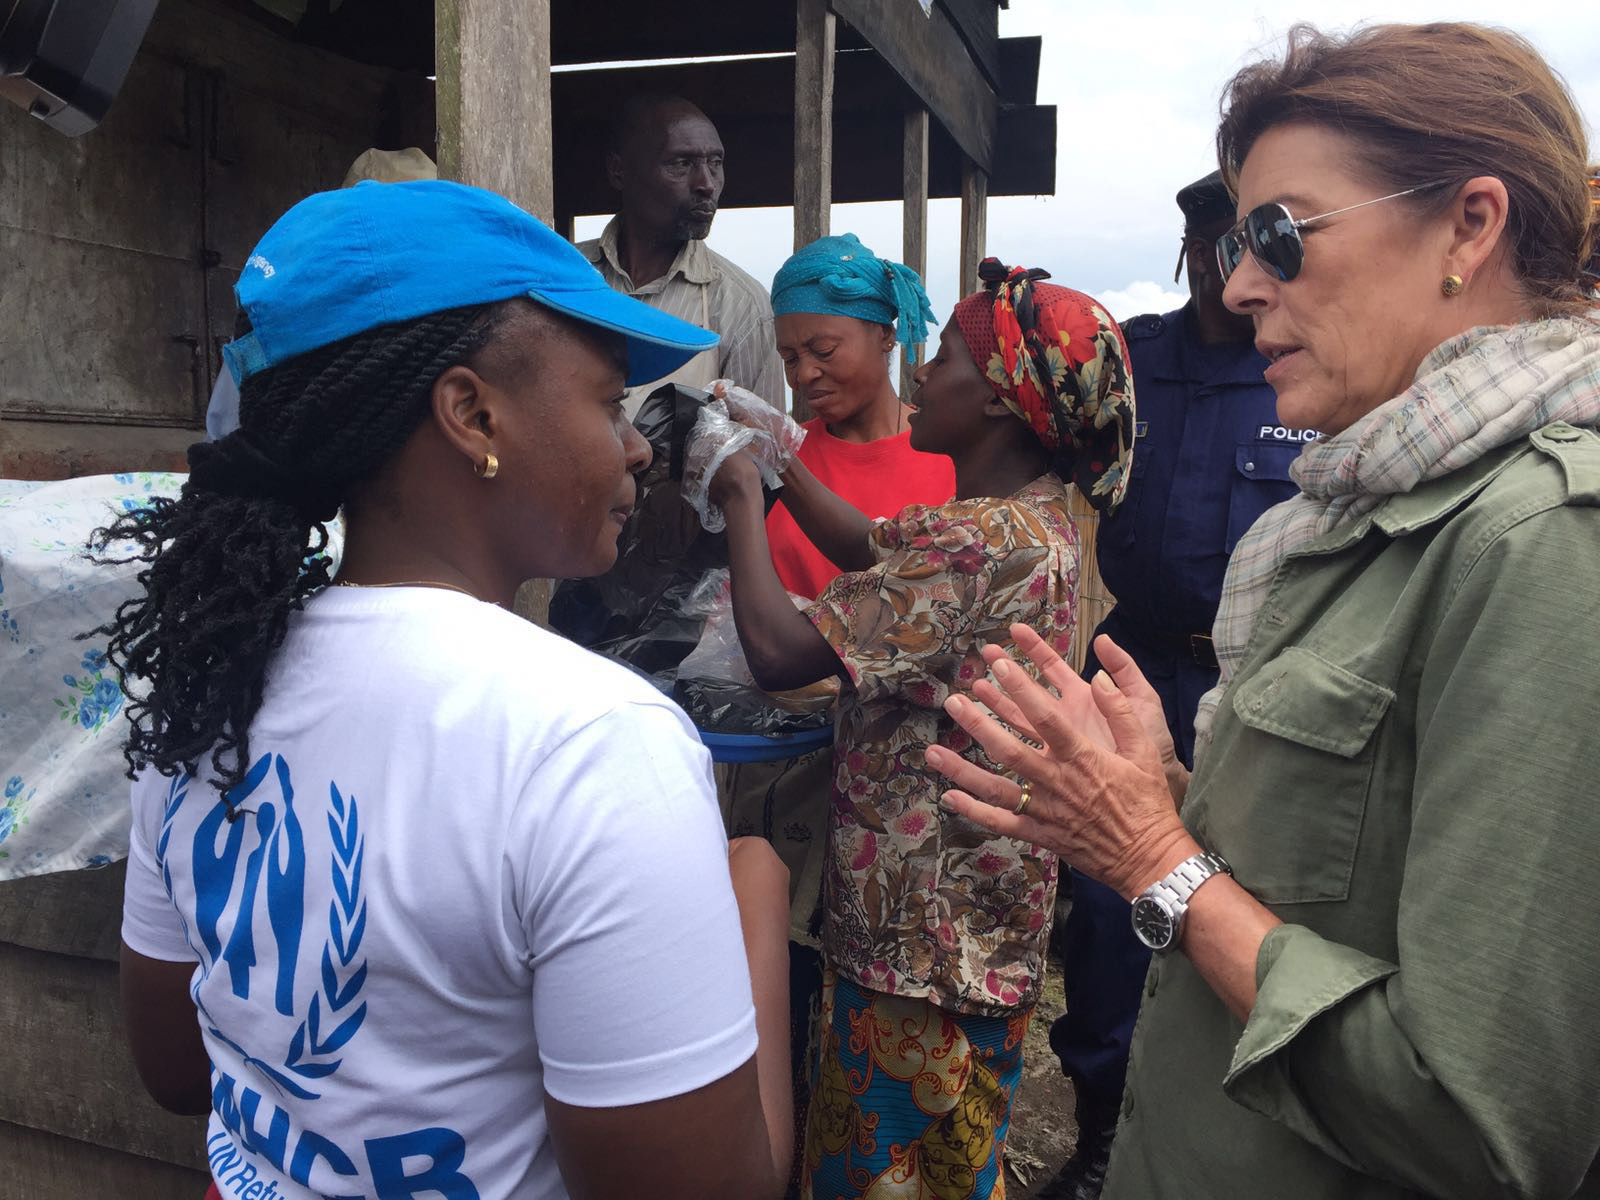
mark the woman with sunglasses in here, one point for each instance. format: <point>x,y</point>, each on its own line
<point>1374,912</point>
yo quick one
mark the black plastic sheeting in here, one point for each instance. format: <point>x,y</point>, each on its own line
<point>639,613</point>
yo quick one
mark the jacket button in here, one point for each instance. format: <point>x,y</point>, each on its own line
<point>1150,986</point>
<point>1249,466</point>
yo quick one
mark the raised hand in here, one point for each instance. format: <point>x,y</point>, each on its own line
<point>751,411</point>
<point>1146,703</point>
<point>1106,810</point>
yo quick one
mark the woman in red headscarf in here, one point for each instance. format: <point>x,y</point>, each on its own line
<point>934,931</point>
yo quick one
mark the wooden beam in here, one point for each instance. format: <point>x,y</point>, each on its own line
<point>974,224</point>
<point>914,191</point>
<point>928,53</point>
<point>978,23</point>
<point>813,120</point>
<point>493,104</point>
<point>493,97</point>
<point>913,210</point>
<point>814,30</point>
<point>607,33</point>
<point>1019,70</point>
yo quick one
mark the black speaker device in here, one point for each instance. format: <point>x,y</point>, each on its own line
<point>64,60</point>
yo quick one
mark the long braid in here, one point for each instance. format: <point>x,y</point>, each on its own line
<point>241,546</point>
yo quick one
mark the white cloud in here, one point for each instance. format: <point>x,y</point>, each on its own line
<point>1141,296</point>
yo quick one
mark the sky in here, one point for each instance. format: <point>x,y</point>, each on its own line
<point>1136,84</point>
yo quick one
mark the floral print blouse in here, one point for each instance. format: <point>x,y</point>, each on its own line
<point>919,901</point>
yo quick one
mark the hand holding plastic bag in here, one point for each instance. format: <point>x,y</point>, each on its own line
<point>715,439</point>
<point>751,410</point>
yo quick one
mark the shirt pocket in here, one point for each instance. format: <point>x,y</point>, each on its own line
<point>1261,479</point>
<point>1289,811</point>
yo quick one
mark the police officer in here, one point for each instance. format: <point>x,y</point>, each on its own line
<point>1209,458</point>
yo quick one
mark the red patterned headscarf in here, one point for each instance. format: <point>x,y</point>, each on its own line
<point>1056,358</point>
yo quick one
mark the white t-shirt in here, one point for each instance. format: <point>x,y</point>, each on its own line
<point>476,863</point>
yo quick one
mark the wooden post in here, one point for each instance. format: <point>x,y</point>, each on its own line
<point>813,119</point>
<point>493,98</point>
<point>974,223</point>
<point>813,132</point>
<point>913,210</point>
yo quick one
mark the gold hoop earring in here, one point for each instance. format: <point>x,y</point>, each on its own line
<point>1452,285</point>
<point>488,467</point>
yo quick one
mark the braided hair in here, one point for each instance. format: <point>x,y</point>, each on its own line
<point>242,544</point>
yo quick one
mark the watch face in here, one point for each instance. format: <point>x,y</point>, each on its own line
<point>1153,923</point>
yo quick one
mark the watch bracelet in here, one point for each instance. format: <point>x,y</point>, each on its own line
<point>1191,872</point>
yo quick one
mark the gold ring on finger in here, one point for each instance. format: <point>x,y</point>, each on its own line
<point>1027,797</point>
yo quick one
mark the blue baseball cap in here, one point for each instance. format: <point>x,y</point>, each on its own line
<point>342,262</point>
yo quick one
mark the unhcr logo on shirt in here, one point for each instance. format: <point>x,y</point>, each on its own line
<point>250,921</point>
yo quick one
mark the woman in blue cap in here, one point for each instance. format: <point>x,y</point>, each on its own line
<point>840,310</point>
<point>934,932</point>
<point>422,898</point>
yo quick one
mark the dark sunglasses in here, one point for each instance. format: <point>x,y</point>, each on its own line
<point>1271,233</point>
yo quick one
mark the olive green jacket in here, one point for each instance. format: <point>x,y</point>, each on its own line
<point>1405,769</point>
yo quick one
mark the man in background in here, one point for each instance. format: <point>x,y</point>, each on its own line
<point>665,162</point>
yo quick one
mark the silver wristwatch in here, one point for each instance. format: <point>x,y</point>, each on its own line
<point>1159,910</point>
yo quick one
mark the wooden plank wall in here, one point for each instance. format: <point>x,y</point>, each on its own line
<point>74,1118</point>
<point>122,246</point>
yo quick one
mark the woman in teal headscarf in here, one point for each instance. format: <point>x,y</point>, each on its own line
<point>840,310</point>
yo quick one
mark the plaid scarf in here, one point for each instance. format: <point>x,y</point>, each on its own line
<point>1479,391</point>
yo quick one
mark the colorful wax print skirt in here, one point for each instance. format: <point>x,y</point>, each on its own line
<point>910,1102</point>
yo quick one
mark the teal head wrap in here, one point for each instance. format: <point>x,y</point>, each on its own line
<point>839,276</point>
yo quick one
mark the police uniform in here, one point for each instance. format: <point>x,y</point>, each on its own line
<point>1209,458</point>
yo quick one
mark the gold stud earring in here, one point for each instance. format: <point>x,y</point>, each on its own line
<point>1452,285</point>
<point>487,468</point>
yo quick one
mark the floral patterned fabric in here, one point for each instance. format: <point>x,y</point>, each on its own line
<point>63,787</point>
<point>63,792</point>
<point>918,901</point>
<point>909,1101</point>
<point>1056,358</point>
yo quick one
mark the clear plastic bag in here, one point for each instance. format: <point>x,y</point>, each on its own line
<point>751,410</point>
<point>715,438</point>
<point>714,684</point>
<point>718,657</point>
<point>718,654</point>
